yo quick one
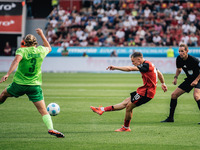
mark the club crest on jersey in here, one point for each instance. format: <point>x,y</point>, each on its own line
<point>190,72</point>
<point>184,66</point>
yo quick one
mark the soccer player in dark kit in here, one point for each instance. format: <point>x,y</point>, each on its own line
<point>191,67</point>
<point>143,94</point>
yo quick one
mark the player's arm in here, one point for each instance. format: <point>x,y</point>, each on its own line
<point>124,68</point>
<point>13,66</point>
<point>162,80</point>
<point>178,71</point>
<point>45,42</point>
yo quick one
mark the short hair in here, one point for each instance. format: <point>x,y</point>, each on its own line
<point>184,45</point>
<point>137,54</point>
<point>30,40</point>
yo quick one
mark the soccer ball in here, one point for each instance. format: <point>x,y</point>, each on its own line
<point>53,109</point>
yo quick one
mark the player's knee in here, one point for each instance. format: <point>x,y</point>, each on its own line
<point>128,108</point>
<point>3,97</point>
<point>174,96</point>
<point>196,97</point>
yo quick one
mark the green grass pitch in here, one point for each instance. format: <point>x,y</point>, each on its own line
<point>22,128</point>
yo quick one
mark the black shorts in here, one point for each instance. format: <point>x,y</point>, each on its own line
<point>187,87</point>
<point>138,99</point>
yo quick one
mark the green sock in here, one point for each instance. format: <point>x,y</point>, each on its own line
<point>48,122</point>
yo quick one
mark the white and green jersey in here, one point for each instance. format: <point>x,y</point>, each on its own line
<point>29,68</point>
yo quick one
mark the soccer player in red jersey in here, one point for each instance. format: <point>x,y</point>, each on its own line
<point>143,94</point>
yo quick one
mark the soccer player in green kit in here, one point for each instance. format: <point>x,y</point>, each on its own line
<point>28,77</point>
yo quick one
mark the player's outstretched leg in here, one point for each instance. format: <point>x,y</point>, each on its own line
<point>97,110</point>
<point>100,110</point>
<point>56,133</point>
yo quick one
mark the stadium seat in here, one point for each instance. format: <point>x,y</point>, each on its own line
<point>131,5</point>
<point>197,5</point>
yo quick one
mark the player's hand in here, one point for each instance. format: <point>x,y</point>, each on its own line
<point>4,78</point>
<point>175,81</point>
<point>194,83</point>
<point>39,31</point>
<point>164,87</point>
<point>110,68</point>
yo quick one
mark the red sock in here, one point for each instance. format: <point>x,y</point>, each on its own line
<point>127,123</point>
<point>109,108</point>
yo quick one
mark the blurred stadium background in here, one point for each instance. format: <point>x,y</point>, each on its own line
<point>102,28</point>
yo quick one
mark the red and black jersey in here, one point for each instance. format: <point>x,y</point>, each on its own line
<point>149,76</point>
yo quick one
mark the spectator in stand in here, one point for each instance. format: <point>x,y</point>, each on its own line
<point>54,22</point>
<point>96,4</point>
<point>127,24</point>
<point>179,18</point>
<point>89,27</point>
<point>84,43</point>
<point>167,11</point>
<point>173,20</point>
<point>131,43</point>
<point>157,28</point>
<point>184,39</point>
<point>157,40</point>
<point>193,39</point>
<point>51,35</point>
<point>190,43</point>
<point>79,32</point>
<point>100,12</point>
<point>134,22</point>
<point>141,33</point>
<point>192,28</point>
<point>170,52</point>
<point>113,12</point>
<point>65,43</point>
<point>147,11</point>
<point>186,27</point>
<point>191,16</point>
<point>54,3</point>
<point>110,40</point>
<point>120,34</point>
<point>67,22</point>
<point>82,37</point>
<point>7,49</point>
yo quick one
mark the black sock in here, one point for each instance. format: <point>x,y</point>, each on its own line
<point>198,103</point>
<point>173,104</point>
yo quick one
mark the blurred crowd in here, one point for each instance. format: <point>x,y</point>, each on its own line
<point>126,23</point>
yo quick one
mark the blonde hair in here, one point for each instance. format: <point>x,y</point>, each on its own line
<point>30,40</point>
<point>184,45</point>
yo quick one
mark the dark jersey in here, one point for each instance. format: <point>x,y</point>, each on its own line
<point>149,76</point>
<point>191,66</point>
